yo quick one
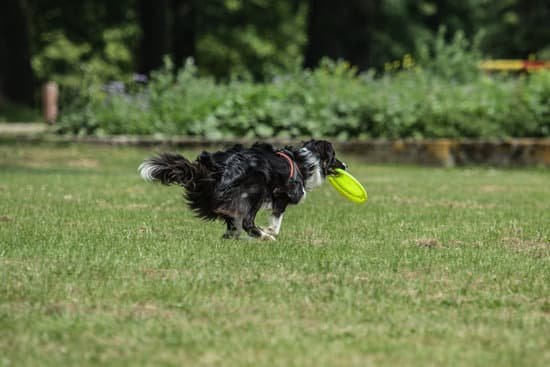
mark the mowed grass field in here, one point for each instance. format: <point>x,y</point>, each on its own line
<point>442,267</point>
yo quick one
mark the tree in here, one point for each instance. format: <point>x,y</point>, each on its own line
<point>517,28</point>
<point>168,28</point>
<point>153,20</point>
<point>183,30</point>
<point>339,31</point>
<point>257,39</point>
<point>16,75</point>
<point>67,37</point>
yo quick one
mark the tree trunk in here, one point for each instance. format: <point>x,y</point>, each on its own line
<point>16,74</point>
<point>154,44</point>
<point>168,28</point>
<point>340,31</point>
<point>183,30</point>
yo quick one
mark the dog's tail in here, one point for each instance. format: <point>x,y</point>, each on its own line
<point>169,169</point>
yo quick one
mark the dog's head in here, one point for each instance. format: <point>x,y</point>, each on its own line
<point>326,155</point>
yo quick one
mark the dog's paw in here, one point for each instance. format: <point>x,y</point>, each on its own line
<point>231,235</point>
<point>269,230</point>
<point>265,236</point>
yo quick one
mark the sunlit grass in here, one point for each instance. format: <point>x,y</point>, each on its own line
<point>441,267</point>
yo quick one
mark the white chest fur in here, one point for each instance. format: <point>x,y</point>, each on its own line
<point>315,180</point>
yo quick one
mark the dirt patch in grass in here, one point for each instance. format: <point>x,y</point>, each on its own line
<point>529,247</point>
<point>141,310</point>
<point>60,308</point>
<point>83,163</point>
<point>48,158</point>
<point>431,243</point>
<point>494,188</point>
<point>452,204</point>
<point>5,218</point>
<point>515,239</point>
<point>312,236</point>
<point>150,310</point>
<point>162,274</point>
<point>131,206</point>
<point>35,164</point>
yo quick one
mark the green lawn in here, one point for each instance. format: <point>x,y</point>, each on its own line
<point>441,267</point>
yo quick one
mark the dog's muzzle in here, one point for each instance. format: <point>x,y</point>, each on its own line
<point>337,164</point>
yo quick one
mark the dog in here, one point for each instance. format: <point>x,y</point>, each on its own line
<point>233,185</point>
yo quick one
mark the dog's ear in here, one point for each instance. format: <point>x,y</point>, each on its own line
<point>322,147</point>
<point>327,156</point>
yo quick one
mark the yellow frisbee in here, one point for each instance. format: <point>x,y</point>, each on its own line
<point>348,186</point>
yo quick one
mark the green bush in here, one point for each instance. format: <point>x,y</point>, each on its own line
<point>446,96</point>
<point>14,112</point>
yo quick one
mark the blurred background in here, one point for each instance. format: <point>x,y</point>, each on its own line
<point>262,68</point>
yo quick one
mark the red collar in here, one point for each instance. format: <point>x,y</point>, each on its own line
<point>290,164</point>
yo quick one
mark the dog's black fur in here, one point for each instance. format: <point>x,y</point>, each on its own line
<point>234,184</point>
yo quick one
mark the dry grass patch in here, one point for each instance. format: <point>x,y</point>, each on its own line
<point>83,163</point>
<point>515,239</point>
<point>528,247</point>
<point>5,218</point>
<point>445,203</point>
<point>431,243</point>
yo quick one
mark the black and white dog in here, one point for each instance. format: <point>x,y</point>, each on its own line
<point>234,184</point>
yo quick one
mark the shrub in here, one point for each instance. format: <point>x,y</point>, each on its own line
<point>431,100</point>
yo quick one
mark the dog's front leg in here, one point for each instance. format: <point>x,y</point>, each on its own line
<point>256,232</point>
<point>276,218</point>
<point>275,221</point>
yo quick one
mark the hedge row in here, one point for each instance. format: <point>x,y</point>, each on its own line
<point>331,101</point>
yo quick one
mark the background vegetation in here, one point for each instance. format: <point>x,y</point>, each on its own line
<point>333,100</point>
<point>408,68</point>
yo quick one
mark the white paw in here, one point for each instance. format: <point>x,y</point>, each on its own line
<point>269,230</point>
<point>267,237</point>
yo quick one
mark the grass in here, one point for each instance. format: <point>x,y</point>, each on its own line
<point>441,267</point>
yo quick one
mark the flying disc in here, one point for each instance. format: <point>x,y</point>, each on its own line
<point>348,186</point>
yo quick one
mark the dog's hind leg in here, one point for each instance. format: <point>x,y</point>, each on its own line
<point>256,232</point>
<point>234,227</point>
<point>250,227</point>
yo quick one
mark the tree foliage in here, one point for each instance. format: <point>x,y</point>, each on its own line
<point>261,38</point>
<point>256,39</point>
<point>16,75</point>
